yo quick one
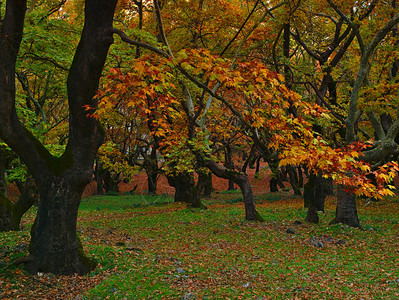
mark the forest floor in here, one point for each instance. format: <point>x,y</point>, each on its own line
<point>150,248</point>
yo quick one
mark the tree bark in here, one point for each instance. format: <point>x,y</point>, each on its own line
<point>206,178</point>
<point>3,184</point>
<point>230,165</point>
<point>98,174</point>
<point>273,185</point>
<point>11,214</point>
<point>6,221</point>
<point>29,196</point>
<point>293,177</point>
<point>152,170</point>
<point>346,212</point>
<point>111,182</point>
<point>241,179</point>
<point>314,195</point>
<point>185,189</point>
<point>54,245</point>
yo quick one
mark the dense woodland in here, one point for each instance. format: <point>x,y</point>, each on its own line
<point>190,90</point>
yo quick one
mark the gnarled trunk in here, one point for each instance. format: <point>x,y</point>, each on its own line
<point>241,179</point>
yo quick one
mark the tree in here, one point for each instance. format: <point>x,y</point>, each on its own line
<point>54,245</point>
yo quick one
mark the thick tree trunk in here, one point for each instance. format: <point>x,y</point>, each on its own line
<point>346,209</point>
<point>185,189</point>
<point>55,247</point>
<point>61,180</point>
<point>241,179</point>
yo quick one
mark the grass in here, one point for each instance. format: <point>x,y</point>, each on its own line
<point>150,248</point>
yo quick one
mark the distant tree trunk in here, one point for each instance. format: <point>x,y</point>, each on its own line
<point>241,179</point>
<point>300,177</point>
<point>11,214</point>
<point>273,185</point>
<point>257,169</point>
<point>206,182</point>
<point>152,171</point>
<point>314,195</point>
<point>98,173</point>
<point>6,222</point>
<point>229,165</point>
<point>29,196</point>
<point>3,184</point>
<point>185,189</point>
<point>293,176</point>
<point>111,182</point>
<point>152,178</point>
<point>276,179</point>
<point>346,212</point>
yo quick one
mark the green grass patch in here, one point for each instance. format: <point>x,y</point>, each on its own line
<point>150,251</point>
<point>122,202</point>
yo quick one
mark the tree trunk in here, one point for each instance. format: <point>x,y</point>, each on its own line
<point>111,182</point>
<point>346,212</point>
<point>3,184</point>
<point>314,195</point>
<point>54,246</point>
<point>241,179</point>
<point>152,170</point>
<point>152,178</point>
<point>207,179</point>
<point>293,176</point>
<point>185,189</point>
<point>257,166</point>
<point>11,214</point>
<point>29,196</point>
<point>230,165</point>
<point>98,173</point>
<point>6,222</point>
<point>273,185</point>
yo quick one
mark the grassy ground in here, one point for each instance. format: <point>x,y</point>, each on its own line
<point>149,250</point>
